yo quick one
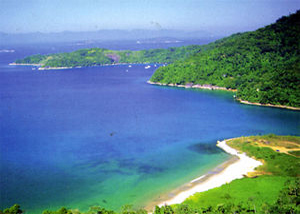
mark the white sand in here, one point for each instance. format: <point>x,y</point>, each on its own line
<point>234,171</point>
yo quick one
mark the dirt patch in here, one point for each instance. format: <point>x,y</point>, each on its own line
<point>114,57</point>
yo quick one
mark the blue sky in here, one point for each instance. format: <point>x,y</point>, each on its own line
<point>20,16</point>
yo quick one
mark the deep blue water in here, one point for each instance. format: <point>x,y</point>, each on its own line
<point>102,136</point>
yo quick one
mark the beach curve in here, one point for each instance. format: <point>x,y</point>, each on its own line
<point>236,169</point>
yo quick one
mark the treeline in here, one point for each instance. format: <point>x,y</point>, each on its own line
<point>263,65</point>
<point>287,202</point>
<point>100,56</point>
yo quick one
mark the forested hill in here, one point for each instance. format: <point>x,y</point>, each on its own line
<point>263,65</point>
<point>100,56</point>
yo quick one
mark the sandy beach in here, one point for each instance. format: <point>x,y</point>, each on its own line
<point>235,168</point>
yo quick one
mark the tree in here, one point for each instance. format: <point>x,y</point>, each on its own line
<point>15,209</point>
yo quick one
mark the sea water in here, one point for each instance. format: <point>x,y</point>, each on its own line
<point>103,136</point>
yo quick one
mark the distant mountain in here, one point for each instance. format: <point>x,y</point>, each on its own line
<point>158,40</point>
<point>263,65</point>
<point>101,35</point>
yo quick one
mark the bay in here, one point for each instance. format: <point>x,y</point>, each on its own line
<point>103,136</point>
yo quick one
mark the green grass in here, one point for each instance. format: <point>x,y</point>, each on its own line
<point>254,191</point>
<point>273,137</point>
<point>275,163</point>
<point>277,140</point>
<point>296,153</point>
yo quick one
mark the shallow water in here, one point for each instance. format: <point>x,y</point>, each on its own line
<point>102,136</point>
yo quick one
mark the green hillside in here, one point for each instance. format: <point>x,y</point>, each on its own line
<point>263,65</point>
<point>100,56</point>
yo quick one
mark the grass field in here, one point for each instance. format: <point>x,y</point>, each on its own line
<point>255,192</point>
<point>262,188</point>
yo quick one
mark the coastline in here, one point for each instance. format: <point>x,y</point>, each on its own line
<point>26,64</point>
<point>55,68</point>
<point>41,68</point>
<point>190,85</point>
<point>268,105</point>
<point>235,168</point>
<point>58,68</point>
<point>211,87</point>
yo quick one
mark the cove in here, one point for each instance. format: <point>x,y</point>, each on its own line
<point>103,136</point>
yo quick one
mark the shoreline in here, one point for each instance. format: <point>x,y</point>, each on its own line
<point>41,68</point>
<point>25,64</point>
<point>238,166</point>
<point>55,68</point>
<point>58,68</point>
<point>211,87</point>
<point>268,105</point>
<point>190,85</point>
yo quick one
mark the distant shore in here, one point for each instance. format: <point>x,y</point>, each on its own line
<point>26,64</point>
<point>55,68</point>
<point>235,168</point>
<point>190,85</point>
<point>59,68</point>
<point>268,105</point>
<point>40,66</point>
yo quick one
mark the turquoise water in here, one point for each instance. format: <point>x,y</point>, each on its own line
<point>102,136</point>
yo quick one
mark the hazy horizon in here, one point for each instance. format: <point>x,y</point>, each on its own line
<point>116,29</point>
<point>221,17</point>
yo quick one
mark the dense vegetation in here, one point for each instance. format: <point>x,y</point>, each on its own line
<point>275,188</point>
<point>99,56</point>
<point>287,201</point>
<point>263,65</point>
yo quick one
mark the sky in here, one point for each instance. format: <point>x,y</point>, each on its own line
<point>24,16</point>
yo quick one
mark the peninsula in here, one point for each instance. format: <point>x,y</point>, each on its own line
<point>262,66</point>
<point>101,56</point>
<point>272,187</point>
